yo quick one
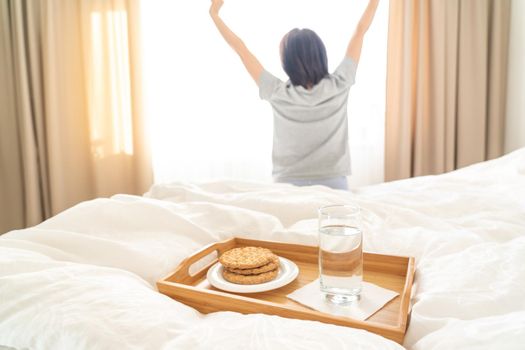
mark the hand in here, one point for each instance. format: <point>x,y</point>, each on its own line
<point>215,7</point>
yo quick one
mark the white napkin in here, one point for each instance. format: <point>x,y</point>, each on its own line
<point>373,298</point>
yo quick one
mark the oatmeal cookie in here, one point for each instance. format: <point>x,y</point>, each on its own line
<point>249,279</point>
<point>246,258</point>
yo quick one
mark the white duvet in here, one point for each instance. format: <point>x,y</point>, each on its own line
<point>85,279</point>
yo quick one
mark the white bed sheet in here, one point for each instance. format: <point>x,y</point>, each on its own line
<point>84,279</point>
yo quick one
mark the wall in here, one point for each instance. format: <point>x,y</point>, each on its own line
<point>515,122</point>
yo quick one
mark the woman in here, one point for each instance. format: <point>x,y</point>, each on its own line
<point>310,139</point>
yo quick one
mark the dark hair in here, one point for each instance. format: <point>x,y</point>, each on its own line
<point>303,56</point>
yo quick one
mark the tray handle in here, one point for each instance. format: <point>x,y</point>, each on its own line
<point>182,273</point>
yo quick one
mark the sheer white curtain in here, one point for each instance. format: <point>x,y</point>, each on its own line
<point>205,116</point>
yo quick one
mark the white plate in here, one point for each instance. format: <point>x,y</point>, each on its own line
<point>288,271</point>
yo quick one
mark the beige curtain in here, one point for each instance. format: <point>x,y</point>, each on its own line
<point>72,129</point>
<point>446,80</point>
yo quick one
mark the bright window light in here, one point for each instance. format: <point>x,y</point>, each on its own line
<point>109,88</point>
<point>205,116</point>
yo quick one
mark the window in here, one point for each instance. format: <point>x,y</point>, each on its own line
<point>206,119</point>
<point>109,93</point>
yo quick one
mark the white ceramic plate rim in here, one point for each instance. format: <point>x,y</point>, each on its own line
<point>288,271</point>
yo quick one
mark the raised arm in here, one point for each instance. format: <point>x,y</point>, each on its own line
<point>356,43</point>
<point>253,66</point>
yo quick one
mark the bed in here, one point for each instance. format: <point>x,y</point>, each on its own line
<point>85,278</point>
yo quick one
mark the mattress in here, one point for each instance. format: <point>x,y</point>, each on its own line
<point>85,278</point>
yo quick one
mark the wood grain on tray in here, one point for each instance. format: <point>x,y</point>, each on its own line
<point>391,272</point>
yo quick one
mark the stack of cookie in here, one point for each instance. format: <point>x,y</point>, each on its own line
<point>249,265</point>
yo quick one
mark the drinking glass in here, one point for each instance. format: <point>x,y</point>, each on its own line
<point>340,253</point>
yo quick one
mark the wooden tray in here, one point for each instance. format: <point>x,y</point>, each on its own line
<point>393,272</point>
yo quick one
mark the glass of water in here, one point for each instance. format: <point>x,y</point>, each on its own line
<point>340,253</point>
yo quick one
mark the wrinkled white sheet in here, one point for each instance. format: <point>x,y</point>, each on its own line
<point>84,279</point>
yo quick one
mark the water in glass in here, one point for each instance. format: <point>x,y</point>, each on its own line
<point>341,262</point>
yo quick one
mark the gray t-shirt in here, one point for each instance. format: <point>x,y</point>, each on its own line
<point>310,130</point>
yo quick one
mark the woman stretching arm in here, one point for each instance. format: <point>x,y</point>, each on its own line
<point>356,43</point>
<point>310,138</point>
<point>253,66</point>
